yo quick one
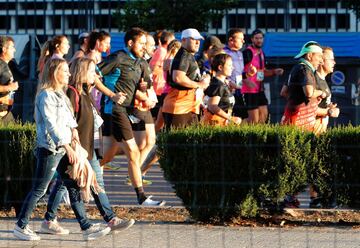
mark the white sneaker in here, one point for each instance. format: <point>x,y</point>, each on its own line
<point>25,234</point>
<point>53,227</point>
<point>120,224</point>
<point>95,231</point>
<point>150,203</point>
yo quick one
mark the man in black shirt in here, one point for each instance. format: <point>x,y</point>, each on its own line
<point>7,84</point>
<point>182,103</point>
<point>302,95</point>
<point>128,62</point>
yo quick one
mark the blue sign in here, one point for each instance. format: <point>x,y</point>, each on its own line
<point>338,90</point>
<point>338,78</point>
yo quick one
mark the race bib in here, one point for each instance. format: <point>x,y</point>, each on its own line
<point>232,100</point>
<point>238,80</point>
<point>260,76</point>
<point>199,93</point>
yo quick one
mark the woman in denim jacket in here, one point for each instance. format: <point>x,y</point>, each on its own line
<point>88,119</point>
<point>56,129</point>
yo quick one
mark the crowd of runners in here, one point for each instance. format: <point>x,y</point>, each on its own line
<point>90,108</point>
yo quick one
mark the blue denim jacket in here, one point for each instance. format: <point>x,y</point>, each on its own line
<point>54,119</point>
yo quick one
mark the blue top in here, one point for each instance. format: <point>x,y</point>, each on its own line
<point>54,120</point>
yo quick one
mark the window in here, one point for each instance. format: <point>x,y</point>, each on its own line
<point>270,21</point>
<point>105,22</point>
<point>33,5</point>
<point>319,21</point>
<point>31,22</point>
<point>216,23</point>
<point>5,24</point>
<point>272,3</point>
<point>343,21</point>
<point>295,21</point>
<point>56,22</point>
<point>239,21</point>
<point>80,21</point>
<point>314,3</point>
<point>8,6</point>
<point>74,5</point>
<point>113,5</point>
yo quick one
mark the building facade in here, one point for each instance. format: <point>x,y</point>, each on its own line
<point>69,17</point>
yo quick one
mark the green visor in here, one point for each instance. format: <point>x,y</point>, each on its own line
<point>309,47</point>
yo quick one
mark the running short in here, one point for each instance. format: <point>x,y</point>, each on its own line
<point>121,127</point>
<point>145,118</point>
<point>179,120</point>
<point>155,110</point>
<point>255,100</point>
<point>107,126</point>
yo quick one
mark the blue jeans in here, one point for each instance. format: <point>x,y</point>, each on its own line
<point>46,165</point>
<point>101,199</point>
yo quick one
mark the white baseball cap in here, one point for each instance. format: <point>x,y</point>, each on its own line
<point>84,35</point>
<point>191,33</point>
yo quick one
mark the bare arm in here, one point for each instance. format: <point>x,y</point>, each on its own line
<point>181,78</point>
<point>213,105</point>
<point>101,87</point>
<point>273,72</point>
<point>284,91</point>
<point>310,92</point>
<point>115,97</point>
<point>10,87</point>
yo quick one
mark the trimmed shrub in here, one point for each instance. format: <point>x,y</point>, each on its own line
<point>214,169</point>
<point>338,175</point>
<point>17,163</point>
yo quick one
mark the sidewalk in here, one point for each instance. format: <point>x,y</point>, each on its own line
<point>122,194</point>
<point>159,235</point>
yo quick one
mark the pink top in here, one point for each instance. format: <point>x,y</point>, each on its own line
<point>156,65</point>
<point>258,60</point>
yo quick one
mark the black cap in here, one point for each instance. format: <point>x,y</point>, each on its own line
<point>255,32</point>
<point>212,41</point>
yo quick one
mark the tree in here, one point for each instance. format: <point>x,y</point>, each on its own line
<point>354,5</point>
<point>174,15</point>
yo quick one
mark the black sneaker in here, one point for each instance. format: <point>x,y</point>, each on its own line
<point>315,202</point>
<point>291,201</point>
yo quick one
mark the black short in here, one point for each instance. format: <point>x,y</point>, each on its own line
<point>107,126</point>
<point>239,108</point>
<point>179,120</point>
<point>159,104</point>
<point>121,127</point>
<point>255,100</point>
<point>145,118</point>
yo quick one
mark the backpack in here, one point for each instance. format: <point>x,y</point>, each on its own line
<point>77,98</point>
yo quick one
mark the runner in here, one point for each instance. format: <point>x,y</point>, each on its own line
<point>128,63</point>
<point>182,103</point>
<point>221,100</point>
<point>301,92</point>
<point>253,77</point>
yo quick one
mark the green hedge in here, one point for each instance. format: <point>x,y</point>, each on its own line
<point>340,176</point>
<point>17,163</point>
<point>220,173</point>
